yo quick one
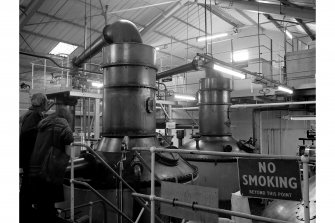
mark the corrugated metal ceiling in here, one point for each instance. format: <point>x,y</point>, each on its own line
<point>64,20</point>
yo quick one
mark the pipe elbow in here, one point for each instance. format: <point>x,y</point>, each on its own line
<point>121,31</point>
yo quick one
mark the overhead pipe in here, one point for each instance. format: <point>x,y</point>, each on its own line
<point>122,31</point>
<point>295,12</point>
<point>256,105</point>
<point>53,61</point>
<point>193,66</point>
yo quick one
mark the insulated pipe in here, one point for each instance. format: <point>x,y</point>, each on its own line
<point>121,31</point>
<point>177,70</point>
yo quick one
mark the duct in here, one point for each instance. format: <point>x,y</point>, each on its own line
<point>118,32</point>
<point>302,13</point>
<point>194,65</point>
<point>162,17</point>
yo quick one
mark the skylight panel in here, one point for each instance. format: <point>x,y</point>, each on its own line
<point>63,49</point>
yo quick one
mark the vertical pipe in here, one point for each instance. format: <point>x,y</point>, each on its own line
<point>89,119</point>
<point>32,76</point>
<point>305,160</point>
<point>45,73</point>
<point>121,189</point>
<point>97,119</point>
<point>232,51</point>
<point>62,68</point>
<point>285,49</point>
<point>67,72</point>
<point>152,177</point>
<point>170,118</point>
<point>72,185</point>
<point>271,58</point>
<point>84,117</point>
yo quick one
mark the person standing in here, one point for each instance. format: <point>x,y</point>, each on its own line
<point>54,137</point>
<point>28,133</point>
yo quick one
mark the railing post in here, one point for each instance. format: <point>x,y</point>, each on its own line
<point>305,160</point>
<point>72,185</point>
<point>90,212</point>
<point>152,178</point>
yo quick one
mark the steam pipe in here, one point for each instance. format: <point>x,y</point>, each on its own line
<point>122,31</point>
<point>194,65</point>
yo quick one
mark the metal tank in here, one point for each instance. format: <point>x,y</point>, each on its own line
<point>215,135</point>
<point>293,211</point>
<point>128,119</point>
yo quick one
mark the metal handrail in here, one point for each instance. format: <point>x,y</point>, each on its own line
<point>207,209</point>
<point>140,201</point>
<point>102,197</point>
<point>91,203</point>
<point>305,159</point>
<point>225,154</point>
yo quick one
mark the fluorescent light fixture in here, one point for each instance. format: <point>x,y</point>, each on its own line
<point>63,49</point>
<point>285,89</point>
<point>303,118</point>
<point>157,48</point>
<point>300,117</point>
<point>288,34</point>
<point>203,38</point>
<point>97,84</point>
<point>228,71</point>
<point>184,97</point>
<point>266,2</point>
<point>241,55</point>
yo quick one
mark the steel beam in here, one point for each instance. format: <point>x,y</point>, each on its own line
<point>50,38</point>
<point>306,29</point>
<point>188,24</point>
<point>178,40</point>
<point>222,15</point>
<point>301,13</point>
<point>274,22</point>
<point>66,21</point>
<point>31,9</point>
<point>246,17</point>
<point>168,54</point>
<point>301,23</point>
<point>162,18</point>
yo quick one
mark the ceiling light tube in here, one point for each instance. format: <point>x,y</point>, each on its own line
<point>203,38</point>
<point>184,97</point>
<point>285,89</point>
<point>288,34</point>
<point>228,71</point>
<point>97,84</point>
<point>303,118</point>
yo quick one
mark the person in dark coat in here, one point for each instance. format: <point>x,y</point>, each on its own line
<point>53,131</point>
<point>28,133</point>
